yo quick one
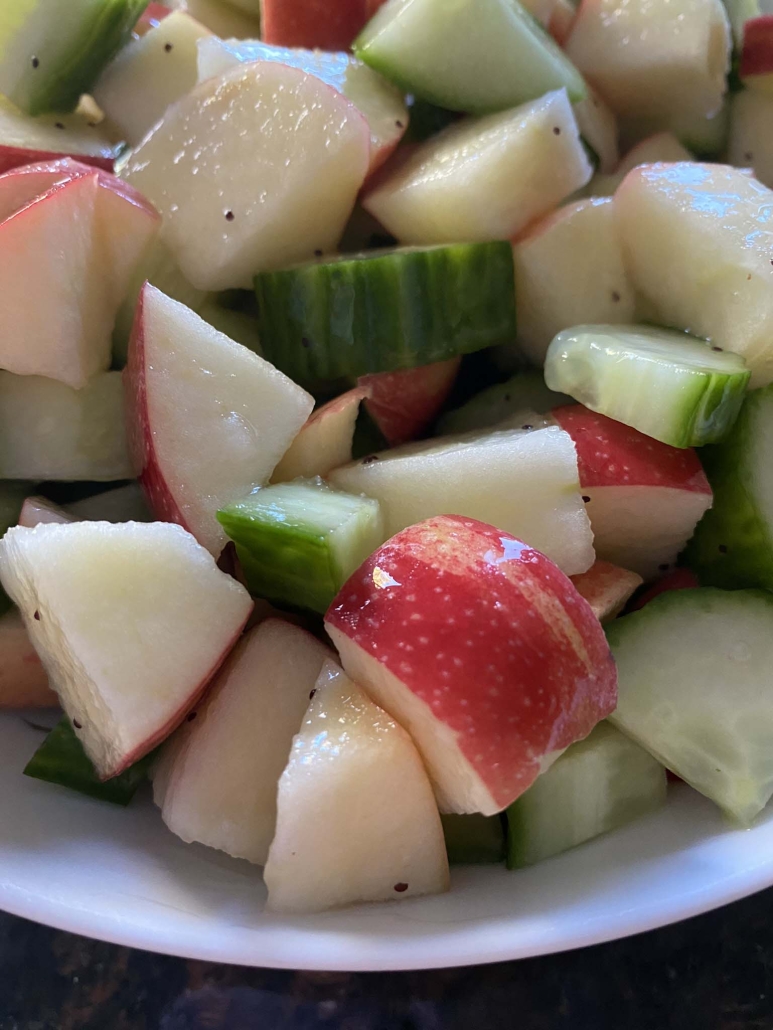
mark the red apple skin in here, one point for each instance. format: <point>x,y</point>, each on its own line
<point>757,50</point>
<point>153,15</point>
<point>679,579</point>
<point>491,636</point>
<point>612,454</point>
<point>316,24</point>
<point>175,720</point>
<point>60,170</point>
<point>17,157</point>
<point>403,404</point>
<point>140,437</point>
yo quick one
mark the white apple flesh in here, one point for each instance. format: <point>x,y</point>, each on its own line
<point>25,140</point>
<point>482,649</point>
<point>697,245</point>
<point>216,780</point>
<point>357,820</point>
<point>131,623</point>
<point>607,588</point>
<point>308,145</point>
<point>325,442</point>
<point>209,420</point>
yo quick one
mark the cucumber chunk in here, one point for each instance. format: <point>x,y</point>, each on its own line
<point>53,52</point>
<point>733,543</point>
<point>474,839</point>
<point>599,784</point>
<point>477,56</point>
<point>695,690</point>
<point>668,385</point>
<point>299,542</point>
<point>61,759</point>
<point>385,310</point>
<point>524,392</point>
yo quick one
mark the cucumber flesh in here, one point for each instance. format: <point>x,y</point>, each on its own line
<point>384,310</point>
<point>477,56</point>
<point>695,690</point>
<point>61,759</point>
<point>299,542</point>
<point>524,392</point>
<point>53,52</point>
<point>474,839</point>
<point>598,785</point>
<point>670,386</point>
<point>733,543</point>
<point>48,431</point>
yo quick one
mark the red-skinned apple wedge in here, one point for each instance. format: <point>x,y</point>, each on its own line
<point>316,24</point>
<point>131,622</point>
<point>356,819</point>
<point>644,498</point>
<point>25,140</point>
<point>208,419</point>
<point>212,783</point>
<point>482,649</point>
<point>23,680</point>
<point>607,588</point>
<point>325,442</point>
<point>756,63</point>
<point>403,404</point>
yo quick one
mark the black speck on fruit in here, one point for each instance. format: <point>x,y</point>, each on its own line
<point>313,692</point>
<point>58,125</point>
<point>369,459</point>
<point>719,349</point>
<point>401,887</point>
<point>399,124</point>
<point>615,297</point>
<point>35,62</point>
<point>586,499</point>
<point>191,716</point>
<point>748,156</point>
<point>77,725</point>
<point>527,426</point>
<point>722,549</point>
<point>36,616</point>
<point>169,47</point>
<point>556,131</point>
<point>317,253</point>
<point>229,216</point>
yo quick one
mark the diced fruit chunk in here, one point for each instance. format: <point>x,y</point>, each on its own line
<point>38,511</point>
<point>23,680</point>
<point>66,260</point>
<point>405,403</point>
<point>61,759</point>
<point>733,544</point>
<point>755,67</point>
<point>654,58</point>
<point>24,140</point>
<point>299,542</point>
<point>668,385</point>
<point>524,392</point>
<point>149,74</point>
<point>209,419</point>
<point>643,498</point>
<point>222,17</point>
<point>751,144</point>
<point>382,105</point>
<point>325,442</point>
<point>319,24</point>
<point>569,271</point>
<point>606,588</point>
<point>414,626</point>
<point>598,785</point>
<point>131,622</point>
<point>676,658</point>
<point>485,178</point>
<point>52,53</point>
<point>524,481</point>
<point>385,310</point>
<point>50,431</point>
<point>198,167</point>
<point>356,817</point>
<point>474,55</point>
<point>711,220</point>
<point>216,779</point>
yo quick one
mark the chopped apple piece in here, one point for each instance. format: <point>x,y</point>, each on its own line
<point>198,165</point>
<point>415,624</point>
<point>216,779</point>
<point>654,58</point>
<point>50,431</point>
<point>485,178</point>
<point>524,481</point>
<point>37,511</point>
<point>210,419</point>
<point>607,588</point>
<point>317,24</point>
<point>24,140</point>
<point>23,680</point>
<point>131,622</point>
<point>697,247</point>
<point>405,403</point>
<point>149,74</point>
<point>325,442</point>
<point>569,271</point>
<point>356,820</point>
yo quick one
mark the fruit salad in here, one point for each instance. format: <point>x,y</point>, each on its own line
<point>386,405</point>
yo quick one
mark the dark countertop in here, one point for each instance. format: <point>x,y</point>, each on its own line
<point>710,973</point>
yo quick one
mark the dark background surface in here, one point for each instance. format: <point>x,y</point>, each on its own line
<point>710,973</point>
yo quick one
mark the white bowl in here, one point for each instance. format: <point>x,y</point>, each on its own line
<point>120,875</point>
